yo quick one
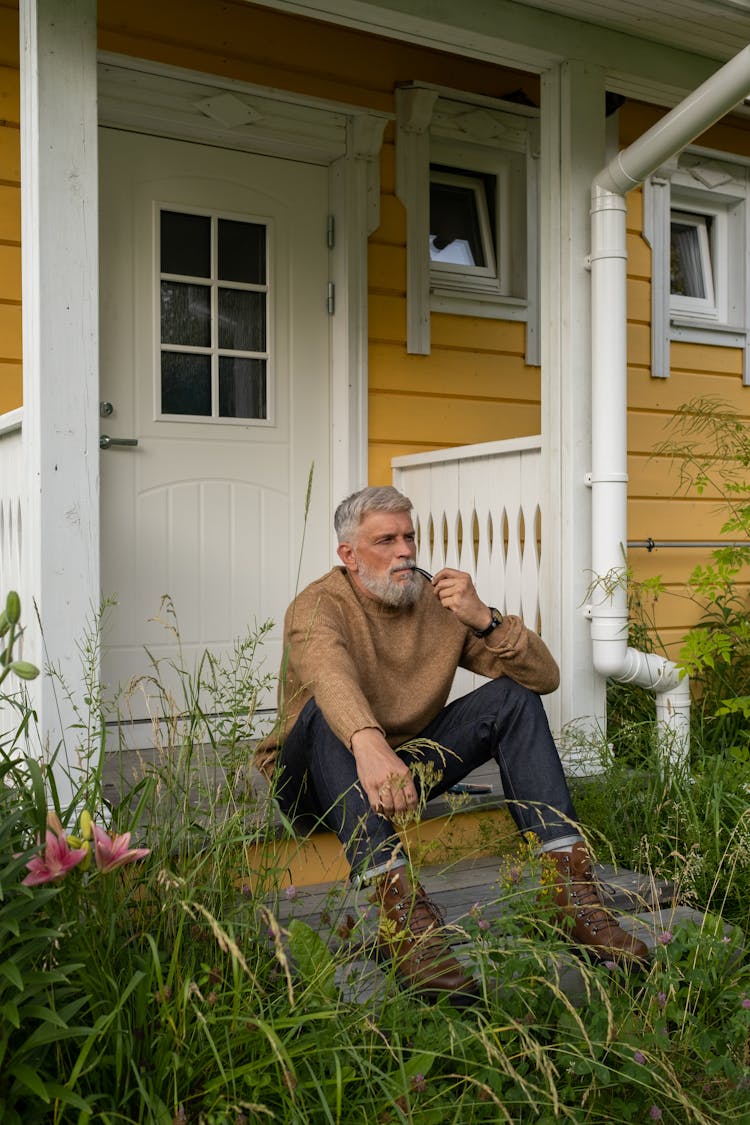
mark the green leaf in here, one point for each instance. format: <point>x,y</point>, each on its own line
<point>313,959</point>
<point>31,1079</point>
<point>12,973</point>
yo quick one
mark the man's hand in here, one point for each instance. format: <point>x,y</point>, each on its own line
<point>386,780</point>
<point>456,592</point>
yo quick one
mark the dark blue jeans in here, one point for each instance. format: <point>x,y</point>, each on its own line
<point>317,776</point>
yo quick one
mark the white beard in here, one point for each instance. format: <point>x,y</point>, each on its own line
<point>402,592</point>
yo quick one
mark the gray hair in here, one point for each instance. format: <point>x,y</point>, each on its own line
<point>351,511</point>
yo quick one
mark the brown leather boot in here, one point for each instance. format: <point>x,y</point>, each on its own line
<point>575,892</point>
<point>410,934</point>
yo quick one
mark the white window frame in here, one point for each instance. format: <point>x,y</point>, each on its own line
<point>472,135</point>
<point>699,222</point>
<point>466,271</point>
<point>700,183</point>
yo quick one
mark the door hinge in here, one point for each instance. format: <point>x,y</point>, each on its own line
<point>331,232</point>
<point>331,299</point>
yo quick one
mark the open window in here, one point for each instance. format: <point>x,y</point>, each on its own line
<point>467,174</point>
<point>695,219</point>
<point>461,238</point>
<point>691,275</point>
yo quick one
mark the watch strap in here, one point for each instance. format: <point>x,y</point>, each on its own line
<point>496,619</point>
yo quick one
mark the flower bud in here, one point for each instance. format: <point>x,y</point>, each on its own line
<point>86,822</point>
<point>13,607</point>
<point>24,670</point>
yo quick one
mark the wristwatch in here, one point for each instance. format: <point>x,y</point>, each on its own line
<point>495,620</point>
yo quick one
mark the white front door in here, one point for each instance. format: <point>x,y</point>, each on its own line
<point>215,360</point>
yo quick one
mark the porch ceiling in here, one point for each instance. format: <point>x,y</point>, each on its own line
<point>715,28</point>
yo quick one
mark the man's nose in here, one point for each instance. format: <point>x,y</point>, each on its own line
<point>406,547</point>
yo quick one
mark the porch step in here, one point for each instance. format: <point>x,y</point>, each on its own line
<point>466,890</point>
<point>450,827</point>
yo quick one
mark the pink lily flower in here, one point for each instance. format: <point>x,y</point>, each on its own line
<point>114,851</point>
<point>58,857</point>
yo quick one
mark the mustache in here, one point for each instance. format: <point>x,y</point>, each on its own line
<point>410,566</point>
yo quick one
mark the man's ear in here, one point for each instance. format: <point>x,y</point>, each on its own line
<point>348,556</point>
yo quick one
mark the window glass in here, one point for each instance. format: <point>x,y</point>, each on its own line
<point>201,323</point>
<point>690,256</point>
<point>455,235</point>
<point>242,252</point>
<point>461,234</point>
<point>242,320</point>
<point>185,244</point>
<point>185,314</point>
<point>242,387</point>
<point>185,384</point>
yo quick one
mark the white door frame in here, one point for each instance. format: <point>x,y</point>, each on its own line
<point>60,92</point>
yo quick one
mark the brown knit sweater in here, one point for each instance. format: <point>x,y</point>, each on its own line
<point>370,665</point>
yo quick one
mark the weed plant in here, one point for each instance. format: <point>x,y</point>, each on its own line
<point>162,977</point>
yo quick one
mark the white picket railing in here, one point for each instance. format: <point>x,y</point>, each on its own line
<point>479,508</point>
<point>12,503</point>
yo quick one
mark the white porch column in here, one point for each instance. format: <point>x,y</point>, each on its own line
<point>60,345</point>
<point>573,148</point>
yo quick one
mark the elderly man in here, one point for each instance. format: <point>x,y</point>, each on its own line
<point>370,653</point>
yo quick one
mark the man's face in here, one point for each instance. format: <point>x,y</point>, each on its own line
<point>381,558</point>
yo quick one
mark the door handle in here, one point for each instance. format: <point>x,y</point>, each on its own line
<point>105,441</point>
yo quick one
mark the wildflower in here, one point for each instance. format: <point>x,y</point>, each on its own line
<point>655,1113</point>
<point>639,1057</point>
<point>661,999</point>
<point>291,893</point>
<point>419,1083</point>
<point>114,851</point>
<point>611,965</point>
<point>483,924</point>
<point>746,1001</point>
<point>58,857</point>
<point>665,937</point>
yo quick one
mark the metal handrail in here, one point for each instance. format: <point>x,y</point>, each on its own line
<point>652,544</point>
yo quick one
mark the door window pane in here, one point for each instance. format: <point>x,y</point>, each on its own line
<point>185,384</point>
<point>185,244</point>
<point>201,323</point>
<point>242,320</point>
<point>242,388</point>
<point>185,314</point>
<point>242,252</point>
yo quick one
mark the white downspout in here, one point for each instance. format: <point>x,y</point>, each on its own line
<point>608,610</point>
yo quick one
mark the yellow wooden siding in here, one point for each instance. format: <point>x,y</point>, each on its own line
<point>474,385</point>
<point>431,401</point>
<point>10,211</point>
<point>657,506</point>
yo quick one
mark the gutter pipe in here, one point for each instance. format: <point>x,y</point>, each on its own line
<point>609,480</point>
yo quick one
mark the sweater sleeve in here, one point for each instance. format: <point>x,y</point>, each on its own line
<point>513,650</point>
<point>320,664</point>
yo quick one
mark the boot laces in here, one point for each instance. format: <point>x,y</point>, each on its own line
<point>419,912</point>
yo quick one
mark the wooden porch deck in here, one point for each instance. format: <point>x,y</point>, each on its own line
<point>466,891</point>
<point>466,886</point>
